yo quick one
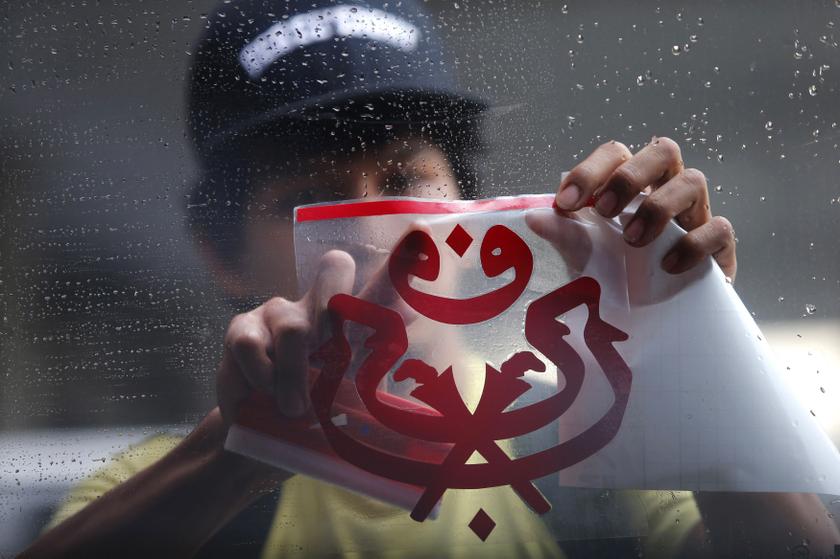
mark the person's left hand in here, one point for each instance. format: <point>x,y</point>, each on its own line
<point>614,176</point>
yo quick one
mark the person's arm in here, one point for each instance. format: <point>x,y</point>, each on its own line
<point>767,524</point>
<point>170,508</point>
<point>715,524</point>
<point>177,503</point>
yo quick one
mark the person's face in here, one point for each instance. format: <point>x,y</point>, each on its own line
<point>409,166</point>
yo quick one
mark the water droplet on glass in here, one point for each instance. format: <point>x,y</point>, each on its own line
<point>676,50</point>
<point>768,125</point>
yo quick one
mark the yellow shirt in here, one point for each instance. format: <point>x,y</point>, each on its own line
<point>315,519</point>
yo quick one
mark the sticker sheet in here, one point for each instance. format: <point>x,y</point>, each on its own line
<point>502,343</point>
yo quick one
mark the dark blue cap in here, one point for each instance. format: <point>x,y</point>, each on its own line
<point>261,62</point>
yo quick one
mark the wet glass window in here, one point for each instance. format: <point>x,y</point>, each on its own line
<point>152,154</point>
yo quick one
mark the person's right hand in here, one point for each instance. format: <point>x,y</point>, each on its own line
<point>268,348</point>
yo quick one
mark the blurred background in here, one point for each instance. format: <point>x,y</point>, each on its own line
<point>111,326</point>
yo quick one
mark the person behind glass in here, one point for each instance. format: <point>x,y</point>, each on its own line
<point>298,102</point>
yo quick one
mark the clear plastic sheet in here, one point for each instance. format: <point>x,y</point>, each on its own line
<point>498,343</point>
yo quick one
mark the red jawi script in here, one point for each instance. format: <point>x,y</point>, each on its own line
<point>423,445</point>
<point>447,423</point>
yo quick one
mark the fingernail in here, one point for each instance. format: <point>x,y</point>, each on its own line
<point>293,404</point>
<point>568,197</point>
<point>606,203</point>
<point>634,230</point>
<point>669,263</point>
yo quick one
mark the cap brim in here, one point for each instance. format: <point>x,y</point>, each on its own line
<point>388,105</point>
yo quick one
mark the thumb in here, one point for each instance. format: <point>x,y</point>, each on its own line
<point>380,290</point>
<point>565,232</point>
<point>336,274</point>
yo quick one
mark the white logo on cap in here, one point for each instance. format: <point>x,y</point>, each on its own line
<point>322,25</point>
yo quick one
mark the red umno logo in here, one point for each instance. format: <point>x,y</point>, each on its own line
<point>447,420</point>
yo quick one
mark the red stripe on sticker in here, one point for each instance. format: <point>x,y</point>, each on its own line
<point>370,208</point>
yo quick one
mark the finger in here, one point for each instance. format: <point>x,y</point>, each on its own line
<point>684,197</point>
<point>231,388</point>
<point>566,235</point>
<point>336,274</point>
<point>585,178</point>
<point>715,238</point>
<point>248,342</point>
<point>290,328</point>
<point>654,165</point>
<point>380,290</point>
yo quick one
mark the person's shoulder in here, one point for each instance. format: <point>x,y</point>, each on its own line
<point>117,470</point>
